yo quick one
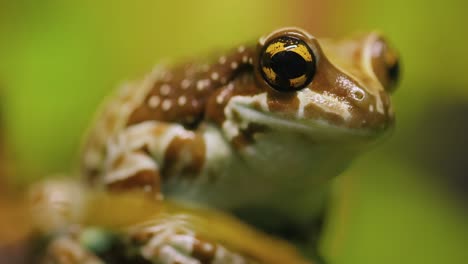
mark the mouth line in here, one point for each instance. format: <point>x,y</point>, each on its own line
<point>318,129</point>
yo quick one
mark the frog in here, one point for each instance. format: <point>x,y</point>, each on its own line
<point>260,130</point>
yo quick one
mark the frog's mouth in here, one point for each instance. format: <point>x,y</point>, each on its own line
<point>318,130</point>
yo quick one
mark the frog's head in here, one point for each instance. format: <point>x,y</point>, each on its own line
<point>299,112</point>
<point>324,88</point>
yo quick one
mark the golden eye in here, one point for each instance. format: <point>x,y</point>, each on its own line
<point>386,64</point>
<point>287,63</point>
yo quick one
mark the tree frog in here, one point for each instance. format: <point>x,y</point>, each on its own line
<point>263,128</point>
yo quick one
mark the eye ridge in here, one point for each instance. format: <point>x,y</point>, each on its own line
<point>287,63</point>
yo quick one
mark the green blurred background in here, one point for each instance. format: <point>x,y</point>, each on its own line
<point>403,202</point>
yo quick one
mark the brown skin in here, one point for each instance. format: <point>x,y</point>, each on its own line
<point>237,115</point>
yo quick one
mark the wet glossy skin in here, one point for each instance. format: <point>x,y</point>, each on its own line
<point>234,133</point>
<point>348,100</point>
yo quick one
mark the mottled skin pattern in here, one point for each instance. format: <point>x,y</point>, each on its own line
<point>220,135</point>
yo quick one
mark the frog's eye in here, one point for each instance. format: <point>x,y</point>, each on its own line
<point>386,64</point>
<point>287,63</point>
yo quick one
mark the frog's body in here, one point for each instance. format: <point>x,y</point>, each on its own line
<point>247,131</point>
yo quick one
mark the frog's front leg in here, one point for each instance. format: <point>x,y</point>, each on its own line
<point>128,163</point>
<point>145,154</point>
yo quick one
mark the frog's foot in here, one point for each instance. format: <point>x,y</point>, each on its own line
<point>163,243</point>
<point>66,250</point>
<point>92,245</point>
<point>188,248</point>
<point>170,243</point>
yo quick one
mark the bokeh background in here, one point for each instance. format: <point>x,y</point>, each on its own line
<point>402,202</point>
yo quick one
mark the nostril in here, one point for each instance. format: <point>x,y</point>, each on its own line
<point>352,89</point>
<point>357,94</point>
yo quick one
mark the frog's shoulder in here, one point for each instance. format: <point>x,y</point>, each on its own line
<point>113,115</point>
<point>176,94</point>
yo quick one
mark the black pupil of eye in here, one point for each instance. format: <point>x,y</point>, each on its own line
<point>289,69</point>
<point>288,64</point>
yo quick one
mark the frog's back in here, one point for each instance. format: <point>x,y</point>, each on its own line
<point>175,95</point>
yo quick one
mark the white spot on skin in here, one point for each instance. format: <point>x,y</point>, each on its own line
<point>224,256</point>
<point>154,101</point>
<point>232,127</point>
<point>327,102</point>
<point>207,247</point>
<point>234,65</point>
<point>245,59</point>
<point>220,255</point>
<point>182,100</point>
<point>222,60</point>
<point>222,95</point>
<point>202,84</point>
<point>185,84</point>
<point>371,108</point>
<point>132,164</point>
<point>345,82</point>
<point>169,254</point>
<point>165,89</point>
<point>184,242</point>
<point>166,105</point>
<point>219,99</point>
<point>214,76</point>
<point>241,49</point>
<point>250,60</point>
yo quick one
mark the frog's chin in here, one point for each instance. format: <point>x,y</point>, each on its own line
<point>318,130</point>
